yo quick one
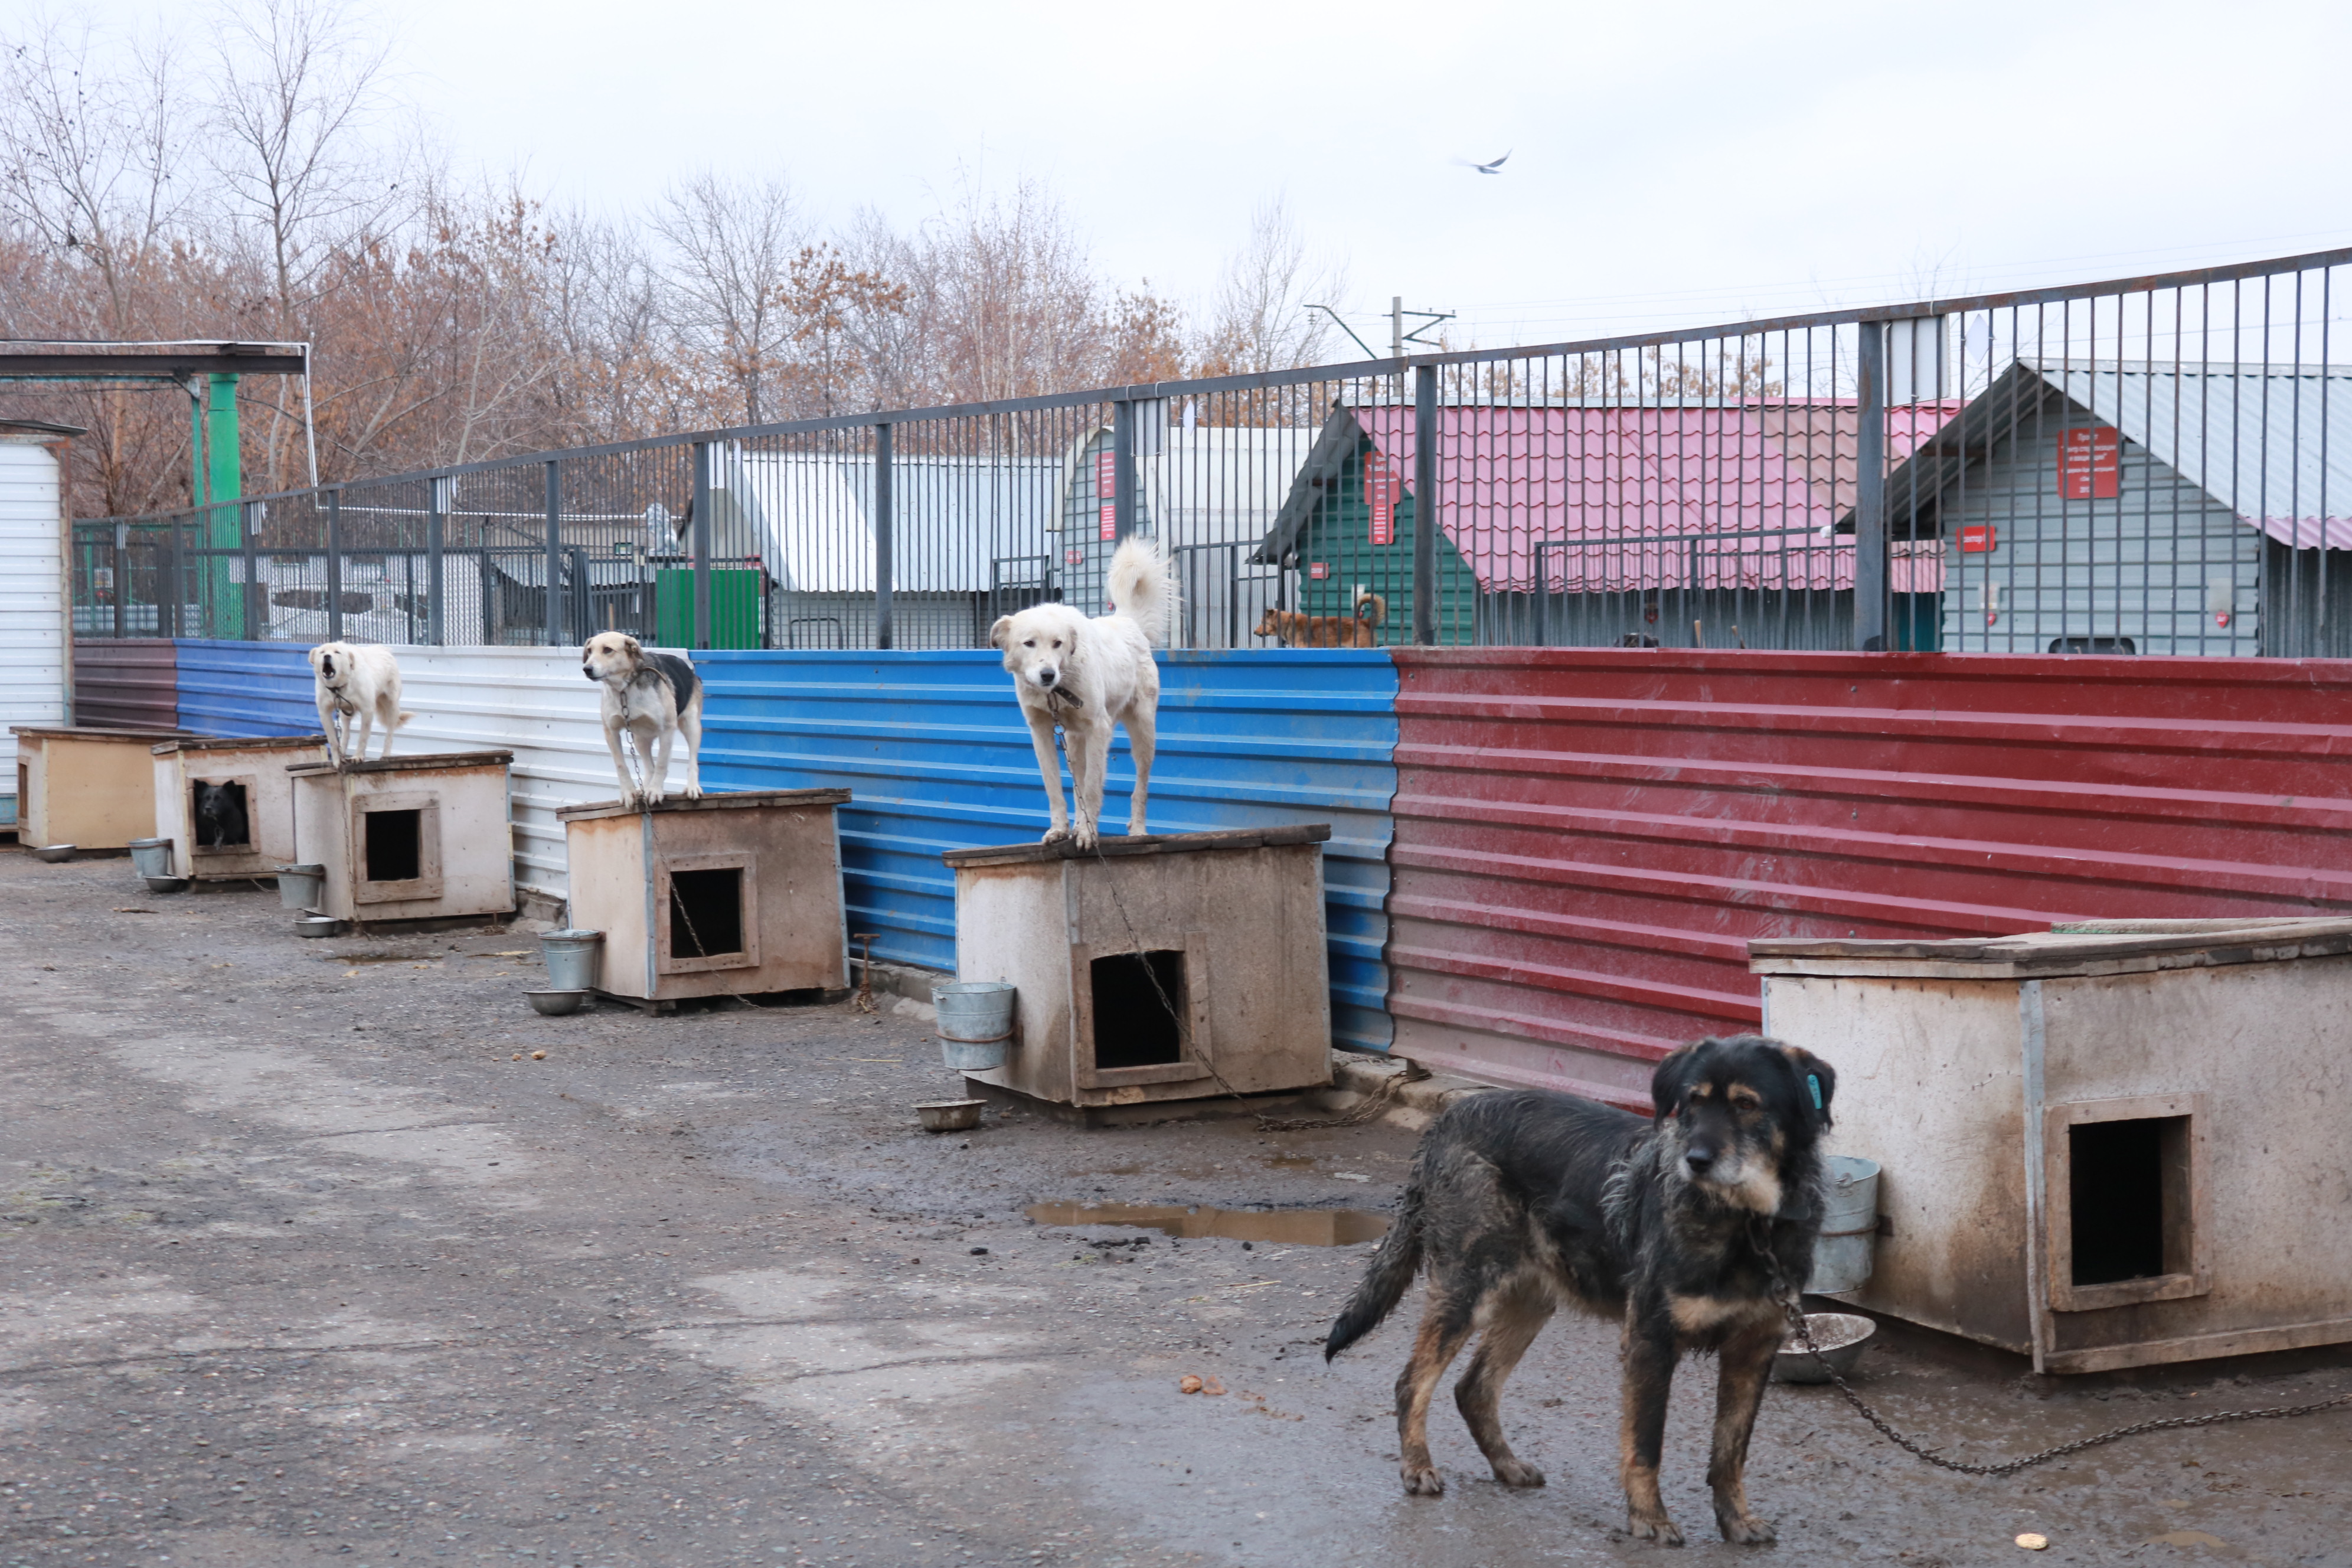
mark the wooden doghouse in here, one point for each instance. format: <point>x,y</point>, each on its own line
<point>2109,1145</point>
<point>731,895</point>
<point>1163,968</point>
<point>251,774</point>
<point>408,838</point>
<point>94,789</point>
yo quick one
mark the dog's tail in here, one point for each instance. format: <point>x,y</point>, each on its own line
<point>1393,1267</point>
<point>1371,607</point>
<point>1140,588</point>
<point>402,718</point>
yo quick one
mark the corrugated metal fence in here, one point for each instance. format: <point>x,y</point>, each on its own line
<point>934,746</point>
<point>134,684</point>
<point>1586,841</point>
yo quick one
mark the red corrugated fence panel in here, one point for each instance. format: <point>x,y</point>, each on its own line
<point>1586,839</point>
<point>134,684</point>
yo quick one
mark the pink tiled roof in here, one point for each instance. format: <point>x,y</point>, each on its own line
<point>1612,499</point>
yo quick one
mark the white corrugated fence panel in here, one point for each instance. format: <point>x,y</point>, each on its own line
<point>32,601</point>
<point>533,702</point>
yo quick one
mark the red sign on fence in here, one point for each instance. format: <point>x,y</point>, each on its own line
<point>1381,486</point>
<point>1106,492</point>
<point>2089,463</point>
<point>1319,569</point>
<point>1979,537</point>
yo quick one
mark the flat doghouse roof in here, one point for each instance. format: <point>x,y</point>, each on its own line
<point>1149,844</point>
<point>242,743</point>
<point>2086,947</point>
<point>731,800</point>
<point>79,732</point>
<point>429,762</point>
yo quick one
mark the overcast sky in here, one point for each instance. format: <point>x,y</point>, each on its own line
<point>1668,163</point>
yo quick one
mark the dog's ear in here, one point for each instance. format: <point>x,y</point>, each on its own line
<point>1667,1083</point>
<point>1000,631</point>
<point>1816,1084</point>
<point>631,645</point>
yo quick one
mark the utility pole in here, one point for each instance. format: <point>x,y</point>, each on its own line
<point>1396,326</point>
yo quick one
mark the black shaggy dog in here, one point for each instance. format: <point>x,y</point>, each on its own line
<point>220,815</point>
<point>1522,1200</point>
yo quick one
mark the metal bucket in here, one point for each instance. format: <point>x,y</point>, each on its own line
<point>151,857</point>
<point>572,958</point>
<point>299,887</point>
<point>975,1023</point>
<point>1849,1226</point>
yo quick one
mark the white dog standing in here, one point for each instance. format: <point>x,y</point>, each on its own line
<point>357,686</point>
<point>1087,675</point>
<point>656,697</point>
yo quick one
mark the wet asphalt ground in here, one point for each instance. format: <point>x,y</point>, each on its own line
<point>300,1265</point>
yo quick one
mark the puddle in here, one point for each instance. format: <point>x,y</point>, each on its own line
<point>1291,1162</point>
<point>371,958</point>
<point>1296,1228</point>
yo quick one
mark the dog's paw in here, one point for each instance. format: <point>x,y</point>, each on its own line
<point>694,792</point>
<point>1055,835</point>
<point>1745,1529</point>
<point>1422,1480</point>
<point>1661,1530</point>
<point>1085,835</point>
<point>1517,1473</point>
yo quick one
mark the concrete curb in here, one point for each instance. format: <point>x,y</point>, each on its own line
<point>1414,1104</point>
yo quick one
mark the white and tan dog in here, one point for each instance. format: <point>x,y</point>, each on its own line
<point>656,697</point>
<point>1087,675</point>
<point>357,688</point>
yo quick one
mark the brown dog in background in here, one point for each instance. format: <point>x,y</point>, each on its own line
<point>1358,630</point>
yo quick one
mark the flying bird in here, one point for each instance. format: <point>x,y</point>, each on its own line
<point>1494,168</point>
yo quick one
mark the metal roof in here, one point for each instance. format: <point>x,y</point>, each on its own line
<point>952,518</point>
<point>1604,497</point>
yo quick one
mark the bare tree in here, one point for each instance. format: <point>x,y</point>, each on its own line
<point>1259,320</point>
<point>729,269</point>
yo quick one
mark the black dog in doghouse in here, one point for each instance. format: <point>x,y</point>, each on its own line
<point>221,819</point>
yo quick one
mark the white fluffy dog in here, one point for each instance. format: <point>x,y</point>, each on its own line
<point>358,687</point>
<point>658,699</point>
<point>1087,675</point>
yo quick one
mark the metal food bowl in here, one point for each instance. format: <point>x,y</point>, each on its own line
<point>1839,1336</point>
<point>950,1115</point>
<point>54,853</point>
<point>318,925</point>
<point>555,1003</point>
<point>168,884</point>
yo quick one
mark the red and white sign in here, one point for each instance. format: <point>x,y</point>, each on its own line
<point>1106,492</point>
<point>1319,569</point>
<point>1074,557</point>
<point>1383,485</point>
<point>2090,463</point>
<point>1980,538</point>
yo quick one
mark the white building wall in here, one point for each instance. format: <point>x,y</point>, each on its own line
<point>32,598</point>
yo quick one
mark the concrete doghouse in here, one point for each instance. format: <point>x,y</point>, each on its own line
<point>254,770</point>
<point>2112,1144</point>
<point>1226,927</point>
<point>731,895</point>
<point>94,789</point>
<point>408,838</point>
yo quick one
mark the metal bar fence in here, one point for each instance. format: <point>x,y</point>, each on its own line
<point>2147,466</point>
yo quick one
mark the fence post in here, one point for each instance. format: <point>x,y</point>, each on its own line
<point>1122,467</point>
<point>886,540</point>
<point>248,521</point>
<point>554,553</point>
<point>335,565</point>
<point>169,626</point>
<point>121,573</point>
<point>1425,505</point>
<point>1870,564</point>
<point>435,522</point>
<point>702,487</point>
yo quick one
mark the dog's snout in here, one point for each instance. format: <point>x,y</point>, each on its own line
<point>589,670</point>
<point>1047,677</point>
<point>1700,1158</point>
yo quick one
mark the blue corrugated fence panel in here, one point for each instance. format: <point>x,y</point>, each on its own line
<point>245,688</point>
<point>937,755</point>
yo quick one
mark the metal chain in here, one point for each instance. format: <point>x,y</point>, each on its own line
<point>1789,1303</point>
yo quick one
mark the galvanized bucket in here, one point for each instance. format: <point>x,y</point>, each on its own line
<point>975,1023</point>
<point>299,887</point>
<point>572,958</point>
<point>1849,1226</point>
<point>151,857</point>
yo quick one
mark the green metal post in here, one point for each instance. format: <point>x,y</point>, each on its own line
<point>223,481</point>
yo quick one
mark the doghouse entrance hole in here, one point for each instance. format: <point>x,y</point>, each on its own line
<point>227,824</point>
<point>706,913</point>
<point>1134,1026</point>
<point>2128,1193</point>
<point>395,846</point>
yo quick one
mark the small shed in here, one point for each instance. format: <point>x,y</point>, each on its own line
<point>249,832</point>
<point>2109,1144</point>
<point>729,895</point>
<point>94,789</point>
<point>2118,505</point>
<point>36,533</point>
<point>410,837</point>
